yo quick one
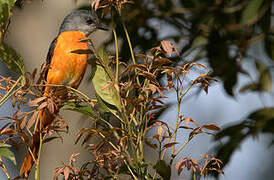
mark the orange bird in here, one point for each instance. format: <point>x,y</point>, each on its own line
<point>65,67</point>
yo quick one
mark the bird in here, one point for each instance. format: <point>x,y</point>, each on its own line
<point>64,68</point>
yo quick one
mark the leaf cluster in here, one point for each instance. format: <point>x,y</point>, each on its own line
<point>134,103</point>
<point>223,33</point>
<point>129,99</point>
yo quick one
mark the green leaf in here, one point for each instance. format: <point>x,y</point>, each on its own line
<point>233,2</point>
<point>84,109</point>
<point>3,145</point>
<point>249,87</point>
<point>163,169</point>
<point>269,47</point>
<point>251,11</point>
<point>5,14</point>
<point>260,121</point>
<point>5,152</point>
<point>265,113</point>
<point>235,136</point>
<point>104,106</point>
<point>13,60</point>
<point>103,80</point>
<point>124,170</point>
<point>199,41</point>
<point>265,22</point>
<point>264,83</point>
<point>222,64</point>
<point>7,54</point>
<point>265,79</point>
<point>263,120</point>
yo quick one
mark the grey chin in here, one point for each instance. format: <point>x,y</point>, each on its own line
<point>90,32</point>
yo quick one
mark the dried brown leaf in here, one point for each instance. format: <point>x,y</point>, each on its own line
<point>8,131</point>
<point>159,130</point>
<point>152,87</point>
<point>212,126</point>
<point>161,93</point>
<point>51,106</point>
<point>23,122</point>
<point>72,157</point>
<point>170,144</point>
<point>33,74</point>
<point>187,120</point>
<point>32,119</point>
<point>82,131</point>
<point>88,137</point>
<point>49,139</point>
<point>168,47</point>
<point>150,144</point>
<point>189,164</point>
<point>154,107</point>
<point>95,4</point>
<point>141,56</point>
<point>23,136</point>
<point>157,137</point>
<point>186,127</point>
<point>74,169</point>
<point>43,105</point>
<point>162,61</point>
<point>13,100</point>
<point>195,131</point>
<point>19,113</point>
<point>211,164</point>
<point>57,173</point>
<point>66,173</point>
<point>36,101</point>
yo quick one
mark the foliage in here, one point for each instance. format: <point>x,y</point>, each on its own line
<point>260,121</point>
<point>207,30</point>
<point>7,54</point>
<point>5,152</point>
<point>222,32</point>
<point>134,103</point>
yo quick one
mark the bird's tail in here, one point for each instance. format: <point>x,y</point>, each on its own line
<point>46,118</point>
<point>29,159</point>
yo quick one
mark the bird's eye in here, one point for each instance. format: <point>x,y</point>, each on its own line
<point>89,21</point>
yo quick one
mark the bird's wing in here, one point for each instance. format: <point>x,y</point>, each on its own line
<point>49,55</point>
<point>51,49</point>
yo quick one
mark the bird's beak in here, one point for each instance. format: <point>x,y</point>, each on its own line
<point>102,27</point>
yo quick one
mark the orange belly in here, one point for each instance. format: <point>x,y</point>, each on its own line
<point>67,68</point>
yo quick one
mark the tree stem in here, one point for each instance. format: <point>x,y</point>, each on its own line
<point>131,50</point>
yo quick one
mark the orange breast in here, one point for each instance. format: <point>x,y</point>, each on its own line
<point>67,68</point>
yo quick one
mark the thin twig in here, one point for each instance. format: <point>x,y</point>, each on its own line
<point>4,169</point>
<point>10,93</point>
<point>131,50</point>
<point>133,175</point>
<point>116,50</point>
<point>32,155</point>
<point>37,167</point>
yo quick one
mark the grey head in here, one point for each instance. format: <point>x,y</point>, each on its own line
<point>82,20</point>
